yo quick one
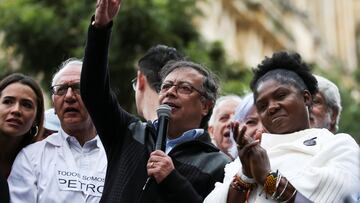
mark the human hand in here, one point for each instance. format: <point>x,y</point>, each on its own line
<point>105,11</point>
<point>242,140</point>
<point>254,159</point>
<point>259,162</point>
<point>159,165</point>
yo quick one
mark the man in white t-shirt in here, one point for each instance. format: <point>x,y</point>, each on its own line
<point>67,166</point>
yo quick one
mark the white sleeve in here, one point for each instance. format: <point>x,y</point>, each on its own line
<point>22,180</point>
<point>220,192</point>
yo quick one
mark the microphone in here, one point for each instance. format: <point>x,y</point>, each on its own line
<point>163,112</point>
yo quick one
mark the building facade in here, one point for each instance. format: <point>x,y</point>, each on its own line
<point>322,31</point>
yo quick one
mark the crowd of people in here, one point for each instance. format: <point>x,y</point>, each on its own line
<point>276,144</point>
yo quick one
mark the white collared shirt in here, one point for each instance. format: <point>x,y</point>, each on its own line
<point>58,169</point>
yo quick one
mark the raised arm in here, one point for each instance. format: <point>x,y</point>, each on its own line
<point>100,101</point>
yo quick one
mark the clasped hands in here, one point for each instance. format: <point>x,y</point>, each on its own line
<point>254,159</point>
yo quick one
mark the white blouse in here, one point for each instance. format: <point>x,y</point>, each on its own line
<point>326,169</point>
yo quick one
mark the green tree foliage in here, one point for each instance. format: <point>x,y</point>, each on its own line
<point>45,33</point>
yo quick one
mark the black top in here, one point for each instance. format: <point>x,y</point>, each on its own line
<point>128,141</point>
<point>4,190</point>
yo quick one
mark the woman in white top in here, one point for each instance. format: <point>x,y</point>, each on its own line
<point>291,161</point>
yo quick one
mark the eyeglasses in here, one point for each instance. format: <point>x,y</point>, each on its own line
<point>63,88</point>
<point>133,83</point>
<point>181,88</point>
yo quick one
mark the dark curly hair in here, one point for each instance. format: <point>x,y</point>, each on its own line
<point>286,68</point>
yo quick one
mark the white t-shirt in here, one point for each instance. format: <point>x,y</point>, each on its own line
<point>58,169</point>
<point>326,169</point>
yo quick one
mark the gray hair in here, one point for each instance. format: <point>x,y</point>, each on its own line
<point>221,100</point>
<point>70,61</point>
<point>331,95</point>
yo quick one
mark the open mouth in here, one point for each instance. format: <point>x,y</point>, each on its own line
<point>227,134</point>
<point>71,110</point>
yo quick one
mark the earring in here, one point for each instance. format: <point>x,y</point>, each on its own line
<point>308,110</point>
<point>34,128</point>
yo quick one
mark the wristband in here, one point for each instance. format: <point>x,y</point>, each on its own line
<point>245,178</point>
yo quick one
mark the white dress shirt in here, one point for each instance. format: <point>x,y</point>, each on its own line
<point>58,169</point>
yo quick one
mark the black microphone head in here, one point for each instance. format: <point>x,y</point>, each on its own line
<point>164,110</point>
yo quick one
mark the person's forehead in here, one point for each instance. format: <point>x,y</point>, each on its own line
<point>320,95</point>
<point>69,73</point>
<point>226,107</point>
<point>269,87</point>
<point>272,85</point>
<point>265,85</point>
<point>19,90</point>
<point>229,104</point>
<point>252,112</point>
<point>184,74</point>
<point>321,100</point>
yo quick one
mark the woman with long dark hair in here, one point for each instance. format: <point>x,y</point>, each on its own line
<point>21,116</point>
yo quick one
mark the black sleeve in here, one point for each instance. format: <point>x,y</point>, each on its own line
<point>109,118</point>
<point>178,189</point>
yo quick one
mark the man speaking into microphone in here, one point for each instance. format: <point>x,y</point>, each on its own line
<point>190,166</point>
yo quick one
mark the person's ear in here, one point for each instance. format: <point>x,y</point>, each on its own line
<point>334,113</point>
<point>52,102</point>
<point>141,80</point>
<point>206,107</point>
<point>307,98</point>
<point>211,130</point>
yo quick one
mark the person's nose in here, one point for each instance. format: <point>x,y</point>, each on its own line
<point>172,91</point>
<point>228,122</point>
<point>70,95</point>
<point>273,107</point>
<point>16,109</point>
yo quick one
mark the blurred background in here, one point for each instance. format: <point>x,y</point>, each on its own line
<point>228,36</point>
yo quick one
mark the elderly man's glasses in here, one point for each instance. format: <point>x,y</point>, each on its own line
<point>63,88</point>
<point>181,88</point>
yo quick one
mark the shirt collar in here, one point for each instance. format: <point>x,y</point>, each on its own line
<point>186,136</point>
<point>57,138</point>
